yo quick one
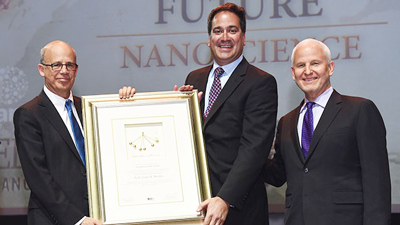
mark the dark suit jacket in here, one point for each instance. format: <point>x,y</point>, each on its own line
<point>345,178</point>
<point>51,164</point>
<point>238,135</point>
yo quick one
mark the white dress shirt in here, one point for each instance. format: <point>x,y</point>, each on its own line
<point>228,70</point>
<point>59,104</point>
<point>318,109</point>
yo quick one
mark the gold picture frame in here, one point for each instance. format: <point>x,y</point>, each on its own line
<point>145,158</point>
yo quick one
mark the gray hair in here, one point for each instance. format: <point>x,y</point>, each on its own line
<point>42,53</point>
<point>327,51</point>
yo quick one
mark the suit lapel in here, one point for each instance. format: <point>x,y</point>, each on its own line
<point>78,107</point>
<point>294,134</point>
<point>234,80</point>
<point>202,82</point>
<point>331,110</point>
<point>55,120</point>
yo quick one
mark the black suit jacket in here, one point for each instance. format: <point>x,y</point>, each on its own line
<point>51,164</point>
<point>345,177</point>
<point>238,135</point>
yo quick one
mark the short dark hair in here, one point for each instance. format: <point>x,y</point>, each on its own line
<point>237,10</point>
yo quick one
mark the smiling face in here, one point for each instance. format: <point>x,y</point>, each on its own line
<point>226,40</point>
<point>58,82</point>
<point>311,70</point>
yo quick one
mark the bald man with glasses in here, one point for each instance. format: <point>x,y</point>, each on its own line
<point>48,134</point>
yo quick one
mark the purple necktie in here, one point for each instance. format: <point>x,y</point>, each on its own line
<point>307,129</point>
<point>215,90</point>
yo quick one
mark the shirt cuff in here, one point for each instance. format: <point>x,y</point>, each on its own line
<point>80,221</point>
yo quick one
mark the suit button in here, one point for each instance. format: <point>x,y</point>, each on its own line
<point>86,196</point>
<point>84,173</point>
<point>306,170</point>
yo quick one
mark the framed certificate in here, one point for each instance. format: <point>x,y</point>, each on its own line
<point>145,158</point>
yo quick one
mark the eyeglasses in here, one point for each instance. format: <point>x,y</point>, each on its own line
<point>57,66</point>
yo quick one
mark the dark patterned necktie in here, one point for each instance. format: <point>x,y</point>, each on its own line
<point>307,129</point>
<point>76,130</point>
<point>214,91</point>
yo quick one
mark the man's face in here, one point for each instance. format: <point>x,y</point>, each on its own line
<point>310,69</point>
<point>226,40</point>
<point>58,82</point>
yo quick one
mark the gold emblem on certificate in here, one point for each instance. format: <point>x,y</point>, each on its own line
<point>143,141</point>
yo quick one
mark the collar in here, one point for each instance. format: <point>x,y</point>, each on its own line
<point>321,100</point>
<point>58,102</point>
<point>229,68</point>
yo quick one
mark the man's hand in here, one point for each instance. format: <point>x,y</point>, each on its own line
<point>91,221</point>
<point>188,88</point>
<point>183,88</point>
<point>217,210</point>
<point>126,92</point>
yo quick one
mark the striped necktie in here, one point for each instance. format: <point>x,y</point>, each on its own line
<point>76,130</point>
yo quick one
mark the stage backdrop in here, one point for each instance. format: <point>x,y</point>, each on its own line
<point>152,45</point>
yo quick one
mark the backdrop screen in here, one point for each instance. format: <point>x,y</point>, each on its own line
<point>153,45</point>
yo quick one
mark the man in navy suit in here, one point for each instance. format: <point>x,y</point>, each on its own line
<point>239,127</point>
<point>53,168</point>
<point>341,174</point>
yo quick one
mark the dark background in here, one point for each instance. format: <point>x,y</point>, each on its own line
<point>21,220</point>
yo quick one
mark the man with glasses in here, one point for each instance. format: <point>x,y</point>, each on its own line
<point>48,134</point>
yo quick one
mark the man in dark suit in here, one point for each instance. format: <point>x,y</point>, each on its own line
<point>338,174</point>
<point>239,127</point>
<point>240,124</point>
<point>53,168</point>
